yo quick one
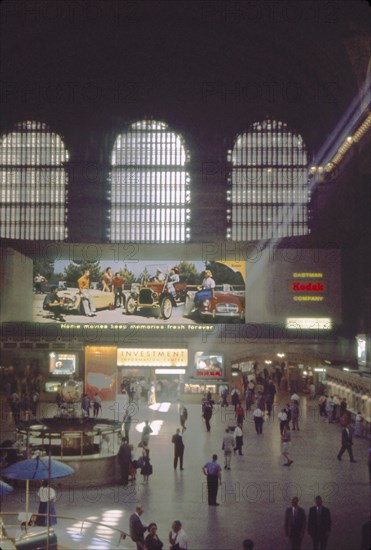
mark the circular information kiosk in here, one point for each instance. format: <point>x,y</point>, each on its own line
<point>88,445</point>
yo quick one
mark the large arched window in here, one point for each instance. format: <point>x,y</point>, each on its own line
<point>269,184</point>
<point>33,183</point>
<point>149,185</point>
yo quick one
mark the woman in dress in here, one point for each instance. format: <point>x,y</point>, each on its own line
<point>46,494</point>
<point>152,542</point>
<point>146,469</point>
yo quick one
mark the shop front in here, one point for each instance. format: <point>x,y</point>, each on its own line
<point>153,374</point>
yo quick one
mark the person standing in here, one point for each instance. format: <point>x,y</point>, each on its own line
<point>238,437</point>
<point>286,442</point>
<point>117,286</point>
<point>46,495</point>
<point>97,405</point>
<point>346,443</point>
<point>124,459</point>
<point>228,447</point>
<point>107,280</point>
<point>177,439</point>
<point>212,471</point>
<point>146,469</point>
<point>85,404</point>
<point>146,432</point>
<point>178,537</point>
<point>282,417</point>
<point>240,414</point>
<point>258,419</point>
<point>295,414</point>
<point>319,524</point>
<point>294,525</point>
<point>152,541</point>
<point>207,412</point>
<point>136,527</point>
<point>39,280</point>
<point>183,415</point>
<point>127,425</point>
<point>87,303</point>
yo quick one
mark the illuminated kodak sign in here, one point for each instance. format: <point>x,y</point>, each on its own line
<point>152,357</point>
<point>307,287</point>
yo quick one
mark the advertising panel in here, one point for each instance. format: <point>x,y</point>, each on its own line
<point>209,365</point>
<point>62,364</point>
<point>296,288</point>
<point>109,293</point>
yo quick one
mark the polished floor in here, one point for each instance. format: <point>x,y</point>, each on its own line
<point>253,495</point>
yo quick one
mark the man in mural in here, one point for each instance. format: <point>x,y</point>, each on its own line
<point>117,286</point>
<point>205,291</point>
<point>88,305</point>
<point>54,304</point>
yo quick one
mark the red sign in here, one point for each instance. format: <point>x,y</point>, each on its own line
<point>307,287</point>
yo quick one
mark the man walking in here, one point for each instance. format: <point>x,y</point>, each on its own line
<point>137,529</point>
<point>228,446</point>
<point>319,524</point>
<point>177,439</point>
<point>346,444</point>
<point>238,437</point>
<point>207,413</point>
<point>212,471</point>
<point>295,522</point>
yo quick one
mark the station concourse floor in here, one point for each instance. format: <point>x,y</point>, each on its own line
<point>253,496</point>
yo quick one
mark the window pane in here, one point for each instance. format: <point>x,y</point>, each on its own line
<point>33,183</point>
<point>269,172</point>
<point>149,185</point>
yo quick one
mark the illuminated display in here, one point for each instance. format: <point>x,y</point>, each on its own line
<point>309,287</point>
<point>310,323</point>
<point>209,364</point>
<point>62,363</point>
<point>139,357</point>
<point>155,293</point>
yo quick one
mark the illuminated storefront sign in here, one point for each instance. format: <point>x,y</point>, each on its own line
<point>310,323</point>
<point>152,357</point>
<point>316,287</point>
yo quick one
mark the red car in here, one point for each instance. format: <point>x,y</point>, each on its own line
<point>225,303</point>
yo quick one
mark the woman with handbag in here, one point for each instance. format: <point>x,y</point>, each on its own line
<point>146,469</point>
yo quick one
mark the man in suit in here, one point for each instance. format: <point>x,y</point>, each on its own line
<point>319,524</point>
<point>124,460</point>
<point>295,522</point>
<point>137,529</point>
<point>177,439</point>
<point>346,443</point>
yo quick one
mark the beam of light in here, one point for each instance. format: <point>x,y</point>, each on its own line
<point>160,407</point>
<point>155,426</point>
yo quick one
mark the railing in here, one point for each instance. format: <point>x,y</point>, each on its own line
<point>122,535</point>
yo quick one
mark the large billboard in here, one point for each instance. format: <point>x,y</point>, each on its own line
<point>172,292</point>
<point>289,288</point>
<point>296,288</point>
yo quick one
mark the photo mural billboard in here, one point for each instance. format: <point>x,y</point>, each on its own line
<point>147,292</point>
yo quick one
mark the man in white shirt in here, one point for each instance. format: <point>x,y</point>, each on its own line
<point>178,537</point>
<point>238,437</point>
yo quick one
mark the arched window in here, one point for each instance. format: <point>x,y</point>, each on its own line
<point>269,189</point>
<point>33,183</point>
<point>149,185</point>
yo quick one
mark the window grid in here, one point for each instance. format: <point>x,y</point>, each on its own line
<point>33,183</point>
<point>269,192</point>
<point>149,185</point>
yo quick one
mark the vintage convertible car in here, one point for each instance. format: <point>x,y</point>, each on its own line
<point>156,296</point>
<point>72,300</point>
<point>224,303</point>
